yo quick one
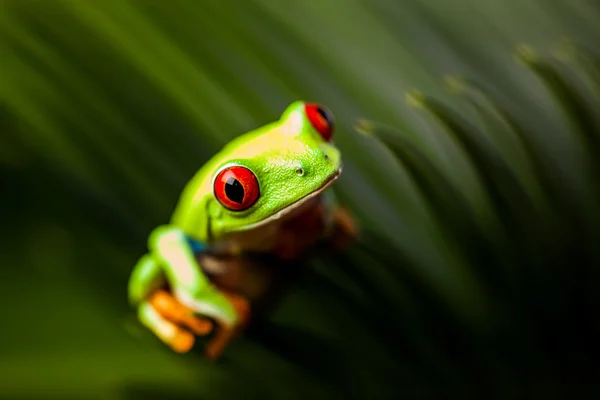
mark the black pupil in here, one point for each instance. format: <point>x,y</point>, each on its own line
<point>234,190</point>
<point>326,116</point>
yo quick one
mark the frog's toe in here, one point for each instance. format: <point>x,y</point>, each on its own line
<point>178,338</point>
<point>182,341</point>
<point>225,334</point>
<point>171,309</point>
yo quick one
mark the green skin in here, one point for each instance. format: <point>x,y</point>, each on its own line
<point>275,153</point>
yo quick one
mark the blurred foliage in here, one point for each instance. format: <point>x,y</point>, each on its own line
<point>477,272</point>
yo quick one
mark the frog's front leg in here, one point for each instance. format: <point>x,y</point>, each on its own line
<point>191,288</point>
<point>170,321</point>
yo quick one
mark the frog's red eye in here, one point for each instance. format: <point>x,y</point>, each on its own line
<point>321,119</point>
<point>236,188</point>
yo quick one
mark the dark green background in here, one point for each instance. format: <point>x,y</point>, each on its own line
<point>477,272</point>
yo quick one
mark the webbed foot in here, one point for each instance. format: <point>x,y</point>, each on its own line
<point>225,334</point>
<point>172,322</point>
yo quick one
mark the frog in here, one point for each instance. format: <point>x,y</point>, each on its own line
<point>266,191</point>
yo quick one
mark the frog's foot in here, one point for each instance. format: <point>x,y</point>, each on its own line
<point>172,322</point>
<point>224,334</point>
<point>345,228</point>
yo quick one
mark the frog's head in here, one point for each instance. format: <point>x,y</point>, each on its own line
<point>271,172</point>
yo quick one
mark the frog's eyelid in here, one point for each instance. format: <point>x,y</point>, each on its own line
<point>293,124</point>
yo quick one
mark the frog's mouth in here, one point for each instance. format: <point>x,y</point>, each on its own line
<point>297,205</point>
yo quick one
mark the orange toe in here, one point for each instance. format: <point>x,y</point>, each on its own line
<point>182,342</point>
<point>200,326</point>
<point>167,306</point>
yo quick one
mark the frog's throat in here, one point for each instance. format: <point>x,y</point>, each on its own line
<point>294,206</point>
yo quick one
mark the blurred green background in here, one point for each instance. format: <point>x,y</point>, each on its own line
<point>476,275</point>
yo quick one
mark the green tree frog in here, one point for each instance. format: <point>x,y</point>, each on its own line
<point>265,191</point>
